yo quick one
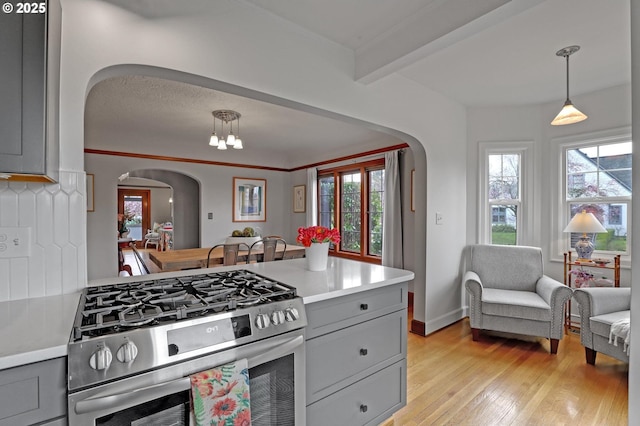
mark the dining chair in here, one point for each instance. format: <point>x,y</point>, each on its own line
<point>269,246</point>
<point>230,253</point>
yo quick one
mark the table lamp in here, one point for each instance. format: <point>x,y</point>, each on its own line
<point>586,223</point>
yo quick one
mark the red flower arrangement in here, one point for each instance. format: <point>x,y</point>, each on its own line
<point>317,234</point>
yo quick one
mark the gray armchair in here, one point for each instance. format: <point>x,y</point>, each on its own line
<point>599,308</point>
<point>509,292</point>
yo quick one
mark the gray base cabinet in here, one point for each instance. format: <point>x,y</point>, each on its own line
<point>356,353</point>
<point>34,394</point>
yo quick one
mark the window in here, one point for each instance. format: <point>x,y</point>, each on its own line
<point>598,180</point>
<point>505,187</point>
<point>504,197</point>
<point>351,198</point>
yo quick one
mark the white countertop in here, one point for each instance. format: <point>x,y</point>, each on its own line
<point>36,329</point>
<point>342,277</point>
<point>39,329</point>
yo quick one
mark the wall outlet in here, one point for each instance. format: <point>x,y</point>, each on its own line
<point>210,215</point>
<point>15,242</point>
<point>439,218</point>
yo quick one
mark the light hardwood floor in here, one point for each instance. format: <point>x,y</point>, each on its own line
<point>452,380</point>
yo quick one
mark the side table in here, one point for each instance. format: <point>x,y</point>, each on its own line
<point>569,265</point>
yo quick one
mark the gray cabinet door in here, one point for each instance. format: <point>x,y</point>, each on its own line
<point>367,402</point>
<point>23,92</point>
<point>33,393</point>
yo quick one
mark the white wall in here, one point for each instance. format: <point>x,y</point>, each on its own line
<point>607,109</point>
<point>216,183</point>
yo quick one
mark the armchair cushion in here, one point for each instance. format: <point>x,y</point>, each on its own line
<point>601,324</point>
<point>515,304</point>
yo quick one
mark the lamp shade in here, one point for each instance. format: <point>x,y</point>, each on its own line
<point>568,115</point>
<point>585,223</point>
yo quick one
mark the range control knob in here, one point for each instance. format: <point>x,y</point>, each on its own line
<point>101,358</point>
<point>262,321</point>
<point>127,352</point>
<point>277,317</point>
<point>291,314</point>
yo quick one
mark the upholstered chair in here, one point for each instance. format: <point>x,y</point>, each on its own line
<point>600,307</point>
<point>508,292</point>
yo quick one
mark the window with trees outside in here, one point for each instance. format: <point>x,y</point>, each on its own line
<point>351,198</point>
<point>504,194</point>
<point>598,180</point>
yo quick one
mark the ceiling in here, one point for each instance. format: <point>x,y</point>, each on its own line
<point>489,53</point>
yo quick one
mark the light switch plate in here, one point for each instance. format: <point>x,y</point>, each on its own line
<point>439,218</point>
<point>15,242</point>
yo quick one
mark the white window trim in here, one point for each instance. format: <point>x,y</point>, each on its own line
<point>559,241</point>
<point>525,219</point>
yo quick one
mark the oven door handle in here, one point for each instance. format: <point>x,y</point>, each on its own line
<point>162,389</point>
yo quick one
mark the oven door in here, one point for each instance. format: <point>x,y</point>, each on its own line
<point>161,397</point>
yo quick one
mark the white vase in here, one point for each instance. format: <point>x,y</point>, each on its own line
<point>317,255</point>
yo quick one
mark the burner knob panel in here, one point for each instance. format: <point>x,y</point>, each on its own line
<point>101,358</point>
<point>291,314</point>
<point>127,352</point>
<point>262,321</point>
<point>277,317</point>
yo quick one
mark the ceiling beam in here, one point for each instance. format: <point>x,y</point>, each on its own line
<point>437,26</point>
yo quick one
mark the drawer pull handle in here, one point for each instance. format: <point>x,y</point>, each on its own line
<point>363,408</point>
<point>364,352</point>
<point>364,306</point>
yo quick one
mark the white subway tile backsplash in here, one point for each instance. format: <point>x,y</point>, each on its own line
<point>61,226</point>
<point>27,208</point>
<point>19,278</point>
<point>37,272</point>
<point>56,214</point>
<point>9,208</point>
<point>77,219</point>
<point>44,218</point>
<point>53,269</point>
<point>5,279</point>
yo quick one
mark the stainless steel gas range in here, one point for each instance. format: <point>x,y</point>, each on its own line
<point>135,344</point>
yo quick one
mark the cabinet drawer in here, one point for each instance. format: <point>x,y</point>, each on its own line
<point>330,315</point>
<point>338,359</point>
<point>367,402</point>
<point>33,393</point>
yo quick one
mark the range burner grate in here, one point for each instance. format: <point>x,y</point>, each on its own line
<point>113,308</point>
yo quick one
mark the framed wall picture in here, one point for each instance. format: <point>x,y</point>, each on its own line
<point>90,187</point>
<point>413,206</point>
<point>299,198</point>
<point>249,200</point>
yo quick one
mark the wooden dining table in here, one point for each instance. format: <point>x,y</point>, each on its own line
<point>175,260</point>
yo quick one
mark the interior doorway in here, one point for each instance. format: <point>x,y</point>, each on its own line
<point>136,203</point>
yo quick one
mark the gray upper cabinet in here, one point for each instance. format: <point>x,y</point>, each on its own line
<point>29,93</point>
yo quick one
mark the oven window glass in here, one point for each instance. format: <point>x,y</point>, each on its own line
<point>272,389</point>
<point>273,393</point>
<point>172,410</point>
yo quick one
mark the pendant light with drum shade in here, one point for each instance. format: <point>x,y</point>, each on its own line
<point>569,113</point>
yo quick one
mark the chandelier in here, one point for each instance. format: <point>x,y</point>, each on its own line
<point>226,116</point>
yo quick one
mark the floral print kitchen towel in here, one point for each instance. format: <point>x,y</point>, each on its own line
<point>220,396</point>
